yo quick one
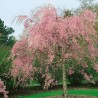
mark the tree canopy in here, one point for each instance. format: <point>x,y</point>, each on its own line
<point>49,37</point>
<point>5,33</point>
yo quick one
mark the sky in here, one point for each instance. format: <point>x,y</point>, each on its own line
<point>11,8</point>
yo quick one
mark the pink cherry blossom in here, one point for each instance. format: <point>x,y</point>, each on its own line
<point>70,71</point>
<point>3,89</point>
<point>49,35</point>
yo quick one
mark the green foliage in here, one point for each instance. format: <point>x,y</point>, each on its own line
<point>85,5</point>
<point>5,38</point>
<point>11,41</point>
<point>67,13</point>
<point>76,78</point>
<point>6,43</point>
<point>5,65</point>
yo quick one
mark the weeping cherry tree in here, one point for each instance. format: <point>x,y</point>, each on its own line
<point>49,36</point>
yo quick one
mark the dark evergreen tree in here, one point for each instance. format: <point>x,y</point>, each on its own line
<point>5,38</point>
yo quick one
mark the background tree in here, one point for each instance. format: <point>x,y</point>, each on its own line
<point>6,42</point>
<point>86,5</point>
<point>68,13</point>
<point>5,32</point>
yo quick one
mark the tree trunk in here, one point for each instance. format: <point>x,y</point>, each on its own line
<point>64,80</point>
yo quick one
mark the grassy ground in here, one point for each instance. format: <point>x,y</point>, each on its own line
<point>87,92</point>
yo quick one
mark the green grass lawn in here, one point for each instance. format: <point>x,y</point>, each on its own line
<point>88,92</point>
